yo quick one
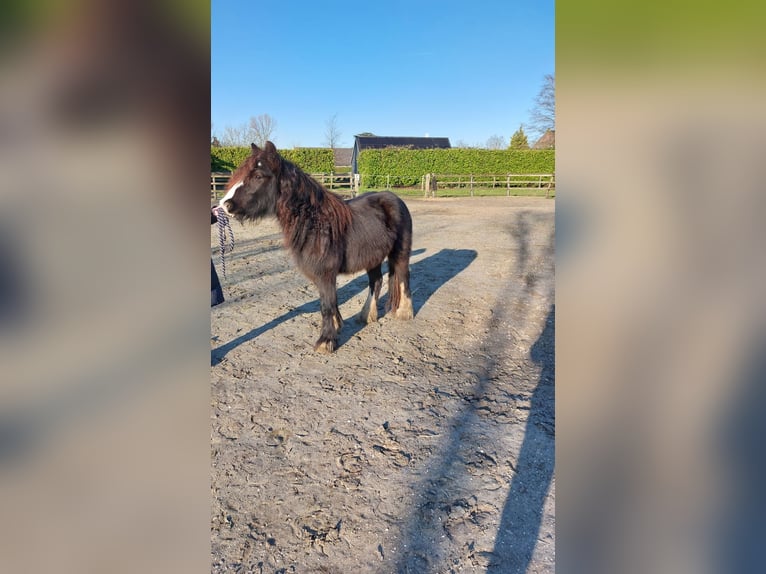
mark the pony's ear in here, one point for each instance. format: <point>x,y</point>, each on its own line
<point>253,147</point>
<point>270,148</point>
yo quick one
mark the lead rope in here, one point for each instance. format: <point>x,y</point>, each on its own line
<point>224,229</point>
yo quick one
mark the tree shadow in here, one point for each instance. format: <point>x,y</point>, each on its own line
<point>446,486</point>
<point>738,442</point>
<point>522,514</point>
<point>428,275</point>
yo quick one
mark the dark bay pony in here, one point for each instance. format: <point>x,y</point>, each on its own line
<point>327,235</point>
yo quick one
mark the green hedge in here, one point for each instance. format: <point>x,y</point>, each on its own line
<point>309,159</point>
<point>406,166</point>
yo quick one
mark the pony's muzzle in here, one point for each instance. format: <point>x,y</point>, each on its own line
<point>225,205</point>
<point>227,201</point>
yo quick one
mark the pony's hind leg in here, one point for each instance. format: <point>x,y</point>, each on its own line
<point>399,296</point>
<point>331,319</point>
<point>369,313</point>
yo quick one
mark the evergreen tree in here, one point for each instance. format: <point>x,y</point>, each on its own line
<point>519,139</point>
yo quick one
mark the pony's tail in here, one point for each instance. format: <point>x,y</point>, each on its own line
<point>399,296</point>
<point>394,293</point>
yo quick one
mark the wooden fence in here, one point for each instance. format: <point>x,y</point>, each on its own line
<point>218,181</point>
<point>430,183</point>
<point>338,182</point>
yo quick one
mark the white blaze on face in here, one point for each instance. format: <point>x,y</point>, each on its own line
<point>229,195</point>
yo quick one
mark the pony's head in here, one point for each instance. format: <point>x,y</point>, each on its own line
<point>253,188</point>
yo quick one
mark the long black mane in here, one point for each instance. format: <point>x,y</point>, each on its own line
<point>307,212</point>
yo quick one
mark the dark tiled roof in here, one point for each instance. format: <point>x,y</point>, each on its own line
<point>343,156</point>
<point>377,142</point>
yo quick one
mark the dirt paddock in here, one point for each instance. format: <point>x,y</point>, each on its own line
<point>423,446</point>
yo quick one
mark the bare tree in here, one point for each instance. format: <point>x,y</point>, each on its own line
<point>542,117</point>
<point>495,142</point>
<point>332,133</point>
<point>260,129</point>
<point>234,136</point>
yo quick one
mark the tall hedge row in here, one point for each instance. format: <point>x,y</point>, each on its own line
<point>406,166</point>
<point>403,167</point>
<point>309,159</point>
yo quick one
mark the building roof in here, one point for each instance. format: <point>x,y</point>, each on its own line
<point>377,142</point>
<point>546,141</point>
<point>343,156</point>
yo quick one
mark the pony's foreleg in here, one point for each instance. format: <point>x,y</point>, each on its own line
<point>369,313</point>
<point>331,319</point>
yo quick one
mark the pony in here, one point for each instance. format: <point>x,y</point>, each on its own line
<point>327,235</point>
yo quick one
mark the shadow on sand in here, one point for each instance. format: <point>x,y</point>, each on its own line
<point>424,283</point>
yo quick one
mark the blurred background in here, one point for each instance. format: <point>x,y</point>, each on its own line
<point>104,321</point>
<point>660,275</point>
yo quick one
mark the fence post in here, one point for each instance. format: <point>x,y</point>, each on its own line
<point>508,185</point>
<point>471,185</point>
<point>427,184</point>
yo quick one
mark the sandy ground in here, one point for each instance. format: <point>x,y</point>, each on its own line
<point>423,446</point>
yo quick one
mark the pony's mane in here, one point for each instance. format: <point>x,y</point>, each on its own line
<point>306,210</point>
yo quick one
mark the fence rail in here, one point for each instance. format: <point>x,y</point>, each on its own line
<point>429,183</point>
<point>339,182</point>
<point>218,181</point>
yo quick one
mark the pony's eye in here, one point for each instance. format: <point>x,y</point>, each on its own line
<point>260,164</point>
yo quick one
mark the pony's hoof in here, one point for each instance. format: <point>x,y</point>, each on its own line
<point>404,312</point>
<point>324,347</point>
<point>367,316</point>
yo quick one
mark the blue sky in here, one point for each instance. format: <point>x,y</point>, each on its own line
<point>463,70</point>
